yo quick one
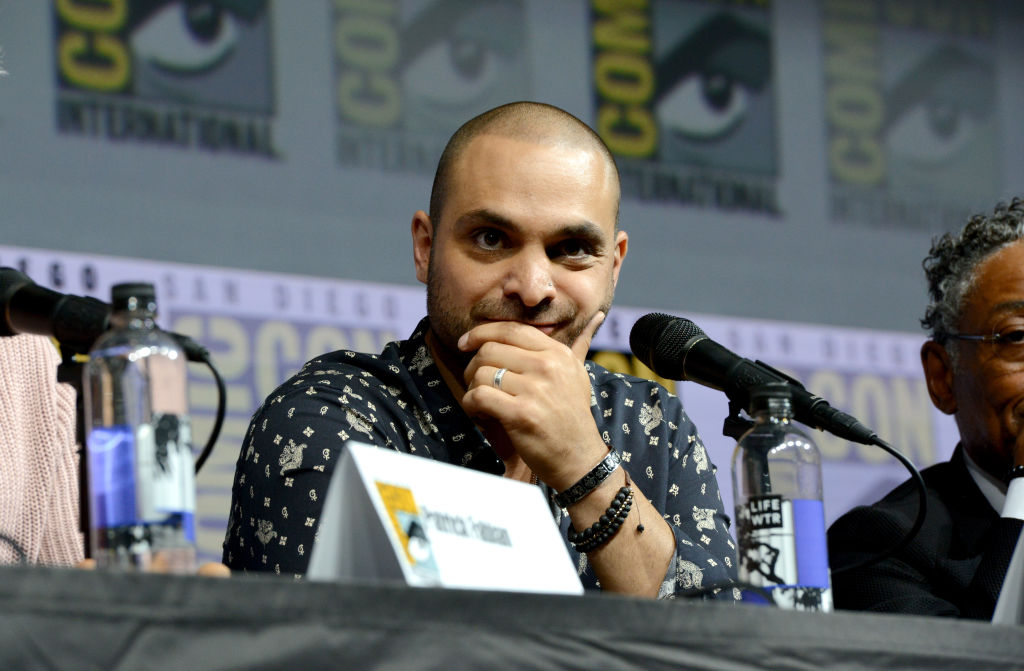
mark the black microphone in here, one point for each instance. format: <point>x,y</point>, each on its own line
<point>677,349</point>
<point>75,321</point>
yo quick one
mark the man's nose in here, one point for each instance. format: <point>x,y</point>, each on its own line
<point>531,280</point>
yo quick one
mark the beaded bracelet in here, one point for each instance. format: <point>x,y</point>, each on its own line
<point>605,528</point>
<point>1015,472</point>
<point>590,481</point>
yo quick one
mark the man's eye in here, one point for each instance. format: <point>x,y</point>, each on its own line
<point>488,239</point>
<point>574,248</point>
<point>1015,337</point>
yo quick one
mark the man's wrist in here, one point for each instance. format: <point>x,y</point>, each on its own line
<point>590,481</point>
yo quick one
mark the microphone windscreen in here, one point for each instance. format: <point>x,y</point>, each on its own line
<point>11,280</point>
<point>660,341</point>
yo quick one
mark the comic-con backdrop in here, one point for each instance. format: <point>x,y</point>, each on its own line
<point>784,164</point>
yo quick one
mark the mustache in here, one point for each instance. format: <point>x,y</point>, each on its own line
<point>514,311</point>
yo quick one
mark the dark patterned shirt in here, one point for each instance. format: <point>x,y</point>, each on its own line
<point>397,400</point>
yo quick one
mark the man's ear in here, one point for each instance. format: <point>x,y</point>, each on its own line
<point>621,247</point>
<point>422,241</point>
<point>938,375</point>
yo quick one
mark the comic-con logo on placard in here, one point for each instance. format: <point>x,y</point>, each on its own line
<point>410,530</point>
<point>190,74</point>
<point>407,73</point>
<point>910,93</point>
<point>684,98</point>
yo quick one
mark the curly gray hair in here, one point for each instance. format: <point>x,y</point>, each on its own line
<point>954,258</point>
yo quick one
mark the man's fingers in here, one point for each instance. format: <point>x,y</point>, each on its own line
<point>510,333</point>
<point>496,355</point>
<point>582,344</point>
<point>487,376</point>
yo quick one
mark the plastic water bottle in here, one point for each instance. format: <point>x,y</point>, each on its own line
<point>780,515</point>
<point>139,443</point>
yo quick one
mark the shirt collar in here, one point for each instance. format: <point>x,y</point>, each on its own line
<point>993,489</point>
<point>467,446</point>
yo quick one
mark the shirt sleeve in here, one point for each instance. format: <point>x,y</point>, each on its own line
<point>704,563</point>
<point>285,467</point>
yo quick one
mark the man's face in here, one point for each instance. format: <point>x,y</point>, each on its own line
<point>527,234</point>
<point>987,386</point>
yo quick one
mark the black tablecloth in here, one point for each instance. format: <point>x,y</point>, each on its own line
<point>68,619</point>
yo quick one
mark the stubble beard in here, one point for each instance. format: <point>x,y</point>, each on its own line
<point>447,324</point>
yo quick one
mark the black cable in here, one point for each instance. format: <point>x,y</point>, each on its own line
<point>199,354</point>
<point>922,510</point>
<point>222,395</point>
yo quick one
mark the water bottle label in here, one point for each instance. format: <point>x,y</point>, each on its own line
<point>145,476</point>
<point>166,471</point>
<point>112,476</point>
<point>782,549</point>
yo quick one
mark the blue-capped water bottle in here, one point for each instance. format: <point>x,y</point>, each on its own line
<point>780,515</point>
<point>139,443</point>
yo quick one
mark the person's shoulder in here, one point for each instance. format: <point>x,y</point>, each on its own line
<point>652,404</point>
<point>602,377</point>
<point>338,363</point>
<point>898,508</point>
<point>608,384</point>
<point>939,480</point>
<point>343,369</point>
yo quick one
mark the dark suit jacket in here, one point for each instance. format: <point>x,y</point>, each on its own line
<point>954,566</point>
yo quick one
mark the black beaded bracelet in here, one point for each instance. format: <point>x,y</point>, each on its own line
<point>1015,472</point>
<point>607,532</point>
<point>605,528</point>
<point>590,481</point>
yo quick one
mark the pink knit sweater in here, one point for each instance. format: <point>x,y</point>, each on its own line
<point>38,460</point>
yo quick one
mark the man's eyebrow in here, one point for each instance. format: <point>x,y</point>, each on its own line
<point>583,230</point>
<point>1008,306</point>
<point>486,217</point>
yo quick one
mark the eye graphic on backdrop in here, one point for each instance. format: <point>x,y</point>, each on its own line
<point>704,85</point>
<point>187,37</point>
<point>705,106</point>
<point>456,70</point>
<point>936,108</point>
<point>451,54</point>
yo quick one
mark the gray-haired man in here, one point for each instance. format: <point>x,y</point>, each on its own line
<point>974,368</point>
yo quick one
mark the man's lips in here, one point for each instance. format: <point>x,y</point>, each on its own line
<point>546,328</point>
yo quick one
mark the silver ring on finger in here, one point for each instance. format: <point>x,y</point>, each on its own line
<point>498,374</point>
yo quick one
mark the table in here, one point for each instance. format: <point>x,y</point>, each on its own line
<point>72,619</point>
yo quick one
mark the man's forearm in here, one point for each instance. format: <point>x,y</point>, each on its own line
<point>635,559</point>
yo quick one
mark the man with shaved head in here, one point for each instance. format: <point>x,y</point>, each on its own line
<point>521,252</point>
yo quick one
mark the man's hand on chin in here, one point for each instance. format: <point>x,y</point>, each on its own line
<point>543,402</point>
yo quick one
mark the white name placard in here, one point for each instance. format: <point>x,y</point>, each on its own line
<point>392,516</point>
